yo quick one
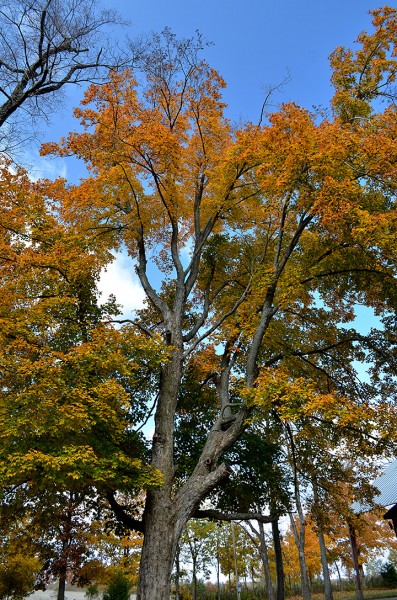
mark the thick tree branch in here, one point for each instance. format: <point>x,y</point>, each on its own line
<point>123,516</point>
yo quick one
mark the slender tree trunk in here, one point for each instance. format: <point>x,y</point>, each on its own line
<point>324,562</point>
<point>253,580</point>
<point>323,550</point>
<point>300,543</point>
<point>339,577</point>
<point>265,562</point>
<point>278,554</point>
<point>353,544</point>
<point>218,568</point>
<point>194,578</point>
<point>235,562</point>
<point>62,583</point>
<point>229,575</point>
<point>177,572</point>
<point>66,535</point>
<point>299,535</point>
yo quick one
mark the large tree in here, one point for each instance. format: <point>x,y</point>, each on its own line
<point>253,244</point>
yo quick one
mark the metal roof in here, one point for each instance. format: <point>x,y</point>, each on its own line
<point>386,483</point>
<point>387,486</point>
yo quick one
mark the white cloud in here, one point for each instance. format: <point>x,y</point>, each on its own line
<point>44,167</point>
<point>120,279</point>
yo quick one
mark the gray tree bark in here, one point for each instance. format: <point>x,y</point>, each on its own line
<point>265,563</point>
<point>166,513</point>
<point>324,563</point>
<point>299,537</point>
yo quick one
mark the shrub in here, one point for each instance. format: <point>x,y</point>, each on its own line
<point>92,592</point>
<point>389,574</point>
<point>119,588</point>
<point>18,576</point>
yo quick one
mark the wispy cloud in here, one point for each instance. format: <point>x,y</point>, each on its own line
<point>44,167</point>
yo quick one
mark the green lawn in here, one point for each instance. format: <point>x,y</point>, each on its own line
<point>368,595</point>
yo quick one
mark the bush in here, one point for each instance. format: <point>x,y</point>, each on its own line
<point>18,576</point>
<point>92,592</point>
<point>119,588</point>
<point>389,574</point>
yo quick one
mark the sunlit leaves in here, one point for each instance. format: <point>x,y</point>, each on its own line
<point>69,380</point>
<point>369,73</point>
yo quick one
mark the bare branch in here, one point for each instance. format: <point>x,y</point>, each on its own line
<point>47,45</point>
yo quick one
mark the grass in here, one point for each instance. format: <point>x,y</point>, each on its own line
<point>351,595</point>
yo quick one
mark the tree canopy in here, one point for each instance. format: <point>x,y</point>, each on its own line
<point>253,244</point>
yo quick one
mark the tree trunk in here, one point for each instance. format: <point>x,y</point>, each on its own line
<point>341,586</point>
<point>177,572</point>
<point>353,543</point>
<point>166,511</point>
<point>300,534</point>
<point>64,566</point>
<point>235,563</point>
<point>165,516</point>
<point>279,560</point>
<point>265,562</point>
<point>218,568</point>
<point>158,552</point>
<point>194,578</point>
<point>300,543</point>
<point>324,562</point>
<point>161,533</point>
<point>62,584</point>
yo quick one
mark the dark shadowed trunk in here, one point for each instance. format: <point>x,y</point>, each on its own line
<point>62,583</point>
<point>177,572</point>
<point>278,555</point>
<point>353,543</point>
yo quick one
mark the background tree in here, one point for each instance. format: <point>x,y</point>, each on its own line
<point>197,549</point>
<point>293,561</point>
<point>45,46</point>
<point>56,398</point>
<point>21,557</point>
<point>372,534</point>
<point>258,536</point>
<point>66,386</point>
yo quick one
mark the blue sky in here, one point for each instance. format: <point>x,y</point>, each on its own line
<point>255,44</point>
